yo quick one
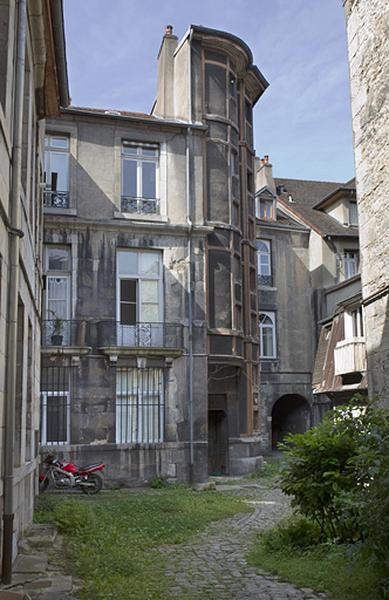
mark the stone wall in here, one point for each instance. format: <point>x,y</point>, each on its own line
<point>368,47</point>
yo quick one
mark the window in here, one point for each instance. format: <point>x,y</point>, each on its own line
<point>55,406</point>
<point>221,86</point>
<point>267,335</point>
<point>140,178</point>
<point>139,406</point>
<point>57,296</point>
<point>353,323</point>
<point>264,262</point>
<point>139,298</point>
<point>352,213</point>
<point>265,209</point>
<point>56,171</point>
<point>351,263</point>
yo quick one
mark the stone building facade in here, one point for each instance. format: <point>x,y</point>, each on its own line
<point>33,84</point>
<point>308,288</point>
<point>368,48</point>
<point>149,354</point>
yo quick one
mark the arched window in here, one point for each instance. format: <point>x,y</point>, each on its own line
<point>267,335</point>
<point>264,262</point>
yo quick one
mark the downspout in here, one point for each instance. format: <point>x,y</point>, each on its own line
<point>190,299</point>
<point>12,299</point>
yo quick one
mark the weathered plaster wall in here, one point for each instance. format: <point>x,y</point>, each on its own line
<point>368,46</point>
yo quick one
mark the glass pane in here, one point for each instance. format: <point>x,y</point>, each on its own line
<point>146,151</point>
<point>58,172</point>
<point>129,181</point>
<point>130,150</point>
<point>267,339</point>
<point>265,319</point>
<point>58,259</point>
<point>128,313</point>
<point>149,313</point>
<point>127,263</point>
<point>215,56</point>
<point>149,291</point>
<point>215,89</point>
<point>127,290</point>
<point>56,419</point>
<point>149,263</point>
<point>59,142</point>
<point>149,180</point>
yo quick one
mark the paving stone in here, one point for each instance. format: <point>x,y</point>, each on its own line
<point>213,564</point>
<point>36,563</point>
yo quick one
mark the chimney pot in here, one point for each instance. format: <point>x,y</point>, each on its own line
<point>169,30</point>
<point>266,159</point>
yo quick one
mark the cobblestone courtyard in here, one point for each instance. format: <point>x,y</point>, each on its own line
<point>214,566</point>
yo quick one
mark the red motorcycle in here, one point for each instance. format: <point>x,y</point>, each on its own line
<point>66,475</point>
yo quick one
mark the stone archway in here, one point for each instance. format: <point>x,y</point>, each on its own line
<point>291,414</point>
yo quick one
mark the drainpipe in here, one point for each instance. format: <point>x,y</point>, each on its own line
<point>190,298</point>
<point>12,298</point>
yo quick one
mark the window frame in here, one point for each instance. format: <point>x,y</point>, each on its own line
<point>134,412</point>
<point>272,316</point>
<point>353,212</point>
<point>140,159</point>
<point>347,261</point>
<point>45,394</point>
<point>58,198</point>
<point>269,253</point>
<point>269,202</point>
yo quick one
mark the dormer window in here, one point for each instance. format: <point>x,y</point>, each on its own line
<point>266,209</point>
<point>352,213</point>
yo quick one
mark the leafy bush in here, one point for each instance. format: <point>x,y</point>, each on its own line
<point>294,533</point>
<point>338,476</point>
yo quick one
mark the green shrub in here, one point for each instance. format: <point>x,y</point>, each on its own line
<point>338,476</point>
<point>294,532</point>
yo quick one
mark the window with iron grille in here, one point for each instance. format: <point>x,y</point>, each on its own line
<point>264,262</point>
<point>55,405</point>
<point>140,178</point>
<point>139,406</point>
<point>57,156</point>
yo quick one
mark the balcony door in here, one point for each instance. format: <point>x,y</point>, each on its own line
<point>139,294</point>
<point>57,296</point>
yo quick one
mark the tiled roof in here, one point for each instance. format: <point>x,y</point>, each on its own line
<point>306,194</point>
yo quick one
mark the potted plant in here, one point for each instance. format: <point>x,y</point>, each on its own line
<point>57,337</point>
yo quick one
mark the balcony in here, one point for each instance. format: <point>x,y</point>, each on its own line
<point>155,338</point>
<point>65,337</point>
<point>350,356</point>
<point>140,206</point>
<point>54,199</point>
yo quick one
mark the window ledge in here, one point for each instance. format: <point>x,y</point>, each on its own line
<point>69,212</point>
<point>267,288</point>
<point>140,217</point>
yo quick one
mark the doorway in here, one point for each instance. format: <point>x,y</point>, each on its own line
<point>217,442</point>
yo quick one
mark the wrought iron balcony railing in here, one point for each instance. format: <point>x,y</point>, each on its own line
<point>139,335</point>
<point>56,199</point>
<point>265,280</point>
<point>60,332</point>
<point>148,206</point>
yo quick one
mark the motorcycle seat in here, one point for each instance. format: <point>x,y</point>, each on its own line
<point>89,467</point>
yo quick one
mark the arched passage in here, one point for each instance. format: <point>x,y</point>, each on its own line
<point>290,414</point>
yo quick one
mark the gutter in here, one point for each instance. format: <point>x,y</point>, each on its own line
<point>190,284</point>
<point>60,51</point>
<point>12,298</point>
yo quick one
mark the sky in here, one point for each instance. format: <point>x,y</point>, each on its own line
<point>302,121</point>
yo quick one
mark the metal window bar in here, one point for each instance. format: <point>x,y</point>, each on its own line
<point>265,280</point>
<point>137,205</point>
<point>55,405</point>
<point>56,199</point>
<point>139,406</point>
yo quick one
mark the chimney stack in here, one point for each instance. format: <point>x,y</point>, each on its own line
<point>164,106</point>
<point>264,175</point>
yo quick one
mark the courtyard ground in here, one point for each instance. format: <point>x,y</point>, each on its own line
<point>169,543</point>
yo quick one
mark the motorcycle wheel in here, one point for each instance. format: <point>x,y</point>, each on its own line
<point>43,485</point>
<point>97,482</point>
